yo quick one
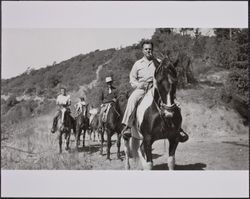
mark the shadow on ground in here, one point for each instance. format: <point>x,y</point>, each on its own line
<point>235,143</point>
<point>196,166</point>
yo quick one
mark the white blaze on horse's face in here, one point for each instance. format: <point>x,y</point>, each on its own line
<point>63,114</point>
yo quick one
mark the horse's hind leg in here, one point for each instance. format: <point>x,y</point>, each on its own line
<point>67,141</point>
<point>171,158</point>
<point>83,139</point>
<point>78,133</point>
<point>127,151</point>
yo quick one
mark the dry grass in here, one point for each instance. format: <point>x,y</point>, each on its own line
<point>204,116</point>
<point>32,146</point>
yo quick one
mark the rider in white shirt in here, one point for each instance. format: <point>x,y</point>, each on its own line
<point>79,105</point>
<point>62,101</point>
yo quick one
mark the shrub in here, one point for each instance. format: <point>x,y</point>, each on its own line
<point>11,101</point>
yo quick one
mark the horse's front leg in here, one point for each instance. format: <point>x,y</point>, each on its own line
<point>127,153</point>
<point>60,142</point>
<point>93,132</point>
<point>173,143</point>
<point>68,140</point>
<point>119,135</point>
<point>102,140</point>
<point>108,143</point>
<point>78,133</point>
<point>146,153</point>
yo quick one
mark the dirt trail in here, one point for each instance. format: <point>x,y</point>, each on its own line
<point>216,143</point>
<point>218,140</point>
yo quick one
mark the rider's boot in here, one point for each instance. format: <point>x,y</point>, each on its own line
<point>183,136</point>
<point>53,129</point>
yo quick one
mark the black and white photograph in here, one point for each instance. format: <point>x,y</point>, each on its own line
<point>155,98</point>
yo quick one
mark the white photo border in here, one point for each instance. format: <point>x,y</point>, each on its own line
<point>86,14</point>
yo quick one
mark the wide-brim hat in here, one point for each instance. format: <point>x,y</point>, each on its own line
<point>108,79</point>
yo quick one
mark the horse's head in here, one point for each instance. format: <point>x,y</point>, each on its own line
<point>65,120</point>
<point>63,111</point>
<point>121,102</point>
<point>166,79</point>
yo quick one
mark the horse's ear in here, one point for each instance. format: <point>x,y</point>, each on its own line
<point>156,63</point>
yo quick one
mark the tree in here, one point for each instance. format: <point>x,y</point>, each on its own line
<point>184,31</point>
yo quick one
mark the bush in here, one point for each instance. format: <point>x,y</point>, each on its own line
<point>11,101</point>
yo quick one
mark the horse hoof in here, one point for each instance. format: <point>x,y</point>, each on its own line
<point>127,167</point>
<point>148,166</point>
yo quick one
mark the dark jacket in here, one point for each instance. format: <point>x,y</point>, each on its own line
<point>107,97</point>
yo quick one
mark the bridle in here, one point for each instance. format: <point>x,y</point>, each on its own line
<point>162,107</point>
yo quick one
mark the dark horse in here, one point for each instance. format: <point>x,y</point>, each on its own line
<point>151,124</point>
<point>66,124</point>
<point>113,124</point>
<point>82,124</point>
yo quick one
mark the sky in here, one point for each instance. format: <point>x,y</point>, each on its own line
<point>35,34</point>
<point>36,48</point>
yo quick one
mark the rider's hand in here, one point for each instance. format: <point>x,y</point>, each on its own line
<point>142,85</point>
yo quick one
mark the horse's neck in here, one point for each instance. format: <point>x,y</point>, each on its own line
<point>156,96</point>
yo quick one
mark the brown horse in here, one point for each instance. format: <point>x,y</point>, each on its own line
<point>66,123</point>
<point>113,124</point>
<point>82,125</point>
<point>151,124</point>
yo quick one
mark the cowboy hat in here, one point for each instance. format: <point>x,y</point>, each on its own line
<point>108,79</point>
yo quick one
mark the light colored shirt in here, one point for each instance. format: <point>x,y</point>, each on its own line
<point>93,111</point>
<point>142,72</point>
<point>79,105</point>
<point>63,100</point>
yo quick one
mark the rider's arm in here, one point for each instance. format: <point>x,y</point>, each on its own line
<point>102,97</point>
<point>69,101</point>
<point>133,76</point>
<point>58,101</point>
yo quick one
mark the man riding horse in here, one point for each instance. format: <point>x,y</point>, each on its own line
<point>63,101</point>
<point>79,106</point>
<point>141,79</point>
<point>108,95</point>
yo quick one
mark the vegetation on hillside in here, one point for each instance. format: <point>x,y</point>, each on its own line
<point>227,50</point>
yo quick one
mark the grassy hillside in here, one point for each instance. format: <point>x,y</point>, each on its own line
<point>205,54</point>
